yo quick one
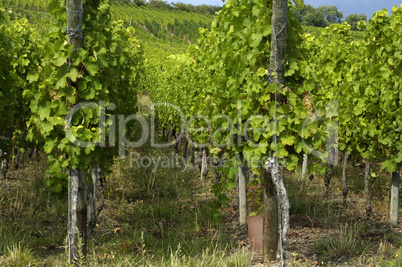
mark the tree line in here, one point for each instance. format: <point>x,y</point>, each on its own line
<point>324,16</point>
<point>201,9</point>
<point>308,15</point>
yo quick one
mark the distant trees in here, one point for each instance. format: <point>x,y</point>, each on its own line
<point>310,16</point>
<point>139,2</point>
<point>202,9</point>
<point>353,20</point>
<point>124,1</point>
<point>319,17</point>
<point>184,7</point>
<point>159,4</point>
<point>331,14</point>
<point>324,16</point>
<point>205,9</point>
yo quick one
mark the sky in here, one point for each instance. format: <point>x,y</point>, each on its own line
<point>367,7</point>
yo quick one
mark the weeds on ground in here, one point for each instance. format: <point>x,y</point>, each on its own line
<point>346,244</point>
<point>152,217</point>
<point>13,249</point>
<point>359,240</point>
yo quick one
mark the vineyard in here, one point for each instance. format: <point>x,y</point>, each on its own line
<point>145,136</point>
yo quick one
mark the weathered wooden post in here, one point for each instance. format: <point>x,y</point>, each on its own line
<point>78,205</point>
<point>4,167</point>
<point>242,192</point>
<point>393,221</point>
<point>304,167</point>
<point>278,41</point>
<point>82,210</point>
<point>369,210</point>
<point>73,176</point>
<point>345,189</point>
<point>74,23</point>
<point>273,219</point>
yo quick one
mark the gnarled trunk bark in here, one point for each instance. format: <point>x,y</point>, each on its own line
<point>276,212</point>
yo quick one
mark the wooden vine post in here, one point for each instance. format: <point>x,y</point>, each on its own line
<point>304,168</point>
<point>271,222</point>
<point>74,23</point>
<point>369,210</point>
<point>242,192</point>
<point>278,42</point>
<point>78,195</point>
<point>275,198</point>
<point>345,189</point>
<point>394,199</point>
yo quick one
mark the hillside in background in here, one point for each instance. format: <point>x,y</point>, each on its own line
<point>164,29</point>
<point>161,29</point>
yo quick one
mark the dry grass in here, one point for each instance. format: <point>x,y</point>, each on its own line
<point>162,218</point>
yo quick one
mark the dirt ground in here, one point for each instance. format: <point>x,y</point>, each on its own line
<point>305,232</point>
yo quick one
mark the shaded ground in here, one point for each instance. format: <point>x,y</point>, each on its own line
<point>163,218</point>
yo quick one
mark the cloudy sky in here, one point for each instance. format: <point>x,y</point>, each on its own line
<point>367,7</point>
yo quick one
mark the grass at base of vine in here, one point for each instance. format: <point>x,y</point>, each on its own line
<point>162,218</point>
<point>327,231</point>
<point>150,218</point>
